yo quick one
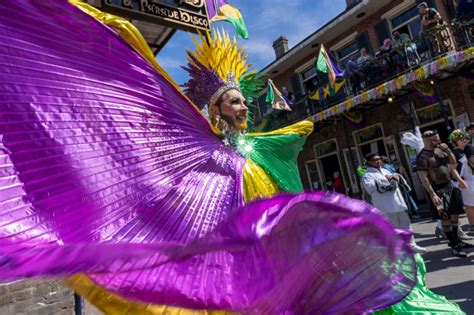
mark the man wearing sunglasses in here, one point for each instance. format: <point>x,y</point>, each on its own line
<point>383,187</point>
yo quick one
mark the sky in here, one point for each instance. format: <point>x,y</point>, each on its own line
<point>266,20</point>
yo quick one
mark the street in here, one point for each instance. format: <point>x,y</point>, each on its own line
<point>446,275</point>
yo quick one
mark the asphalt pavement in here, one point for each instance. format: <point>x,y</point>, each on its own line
<point>447,275</point>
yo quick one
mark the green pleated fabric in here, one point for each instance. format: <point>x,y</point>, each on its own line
<point>277,155</point>
<point>421,300</point>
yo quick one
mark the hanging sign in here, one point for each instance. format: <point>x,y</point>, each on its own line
<point>188,15</point>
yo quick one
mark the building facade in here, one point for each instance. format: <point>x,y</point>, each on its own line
<point>339,141</point>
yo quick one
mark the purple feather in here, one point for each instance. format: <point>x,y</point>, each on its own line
<point>203,83</point>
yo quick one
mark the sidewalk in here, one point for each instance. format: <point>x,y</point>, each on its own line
<point>446,275</point>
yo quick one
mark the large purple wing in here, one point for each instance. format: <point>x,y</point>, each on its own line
<point>107,169</point>
<point>96,144</point>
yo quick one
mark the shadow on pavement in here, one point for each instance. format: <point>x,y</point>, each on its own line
<point>462,293</point>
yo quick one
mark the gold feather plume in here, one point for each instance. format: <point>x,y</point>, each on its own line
<point>219,53</point>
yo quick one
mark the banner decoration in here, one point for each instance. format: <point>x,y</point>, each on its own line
<point>430,114</point>
<point>324,91</point>
<point>354,116</point>
<point>378,92</point>
<point>220,10</point>
<point>275,98</point>
<point>324,64</point>
<point>426,90</point>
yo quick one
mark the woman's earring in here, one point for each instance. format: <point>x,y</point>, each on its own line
<point>220,124</point>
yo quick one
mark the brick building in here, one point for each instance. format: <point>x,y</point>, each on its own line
<point>338,144</point>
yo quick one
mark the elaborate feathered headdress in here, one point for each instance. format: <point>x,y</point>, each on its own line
<point>456,135</point>
<point>218,65</point>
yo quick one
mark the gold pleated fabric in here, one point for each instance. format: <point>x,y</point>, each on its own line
<point>302,128</point>
<point>257,183</point>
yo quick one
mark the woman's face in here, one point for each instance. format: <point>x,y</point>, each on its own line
<point>233,109</point>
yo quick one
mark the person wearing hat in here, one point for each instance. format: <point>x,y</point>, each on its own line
<point>460,141</point>
<point>383,188</point>
<point>436,164</point>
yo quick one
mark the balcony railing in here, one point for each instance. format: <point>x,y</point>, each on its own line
<point>432,44</point>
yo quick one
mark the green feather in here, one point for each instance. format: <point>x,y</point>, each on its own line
<point>250,85</point>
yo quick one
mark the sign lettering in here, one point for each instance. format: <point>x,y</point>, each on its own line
<point>189,15</point>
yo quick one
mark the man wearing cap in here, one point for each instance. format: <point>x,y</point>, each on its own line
<point>435,165</point>
<point>383,187</point>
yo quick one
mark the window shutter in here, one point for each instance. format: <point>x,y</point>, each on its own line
<point>363,41</point>
<point>382,31</point>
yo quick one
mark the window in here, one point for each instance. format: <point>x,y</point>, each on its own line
<point>309,78</point>
<point>326,148</point>
<point>309,73</point>
<point>408,22</point>
<point>348,51</point>
<point>433,113</point>
<point>369,134</point>
<point>404,17</point>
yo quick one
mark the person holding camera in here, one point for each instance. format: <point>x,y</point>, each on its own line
<point>436,165</point>
<point>383,188</point>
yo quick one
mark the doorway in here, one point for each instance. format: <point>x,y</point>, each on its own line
<point>330,165</point>
<point>327,155</point>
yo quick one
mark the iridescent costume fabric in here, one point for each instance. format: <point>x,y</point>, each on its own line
<point>108,170</point>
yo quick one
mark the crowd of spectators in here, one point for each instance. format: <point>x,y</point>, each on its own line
<point>401,52</point>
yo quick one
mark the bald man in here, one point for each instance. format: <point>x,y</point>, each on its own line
<point>435,165</point>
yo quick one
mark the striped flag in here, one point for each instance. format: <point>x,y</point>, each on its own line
<point>220,10</point>
<point>324,64</point>
<point>275,97</point>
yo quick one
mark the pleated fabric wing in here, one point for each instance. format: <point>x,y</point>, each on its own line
<point>107,169</point>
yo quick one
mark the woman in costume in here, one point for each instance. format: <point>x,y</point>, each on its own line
<point>111,174</point>
<point>460,139</point>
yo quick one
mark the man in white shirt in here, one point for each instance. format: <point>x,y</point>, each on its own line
<point>382,186</point>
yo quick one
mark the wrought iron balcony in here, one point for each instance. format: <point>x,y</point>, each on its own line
<point>432,44</point>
